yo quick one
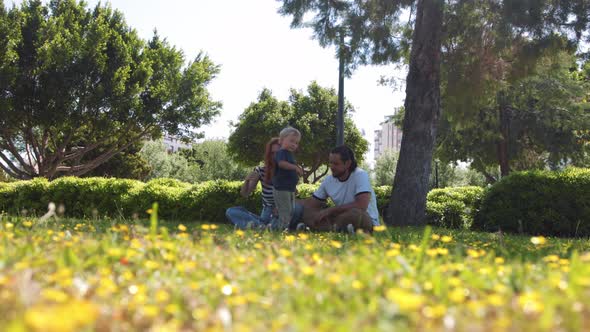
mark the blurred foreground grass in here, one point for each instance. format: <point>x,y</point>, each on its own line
<point>108,275</point>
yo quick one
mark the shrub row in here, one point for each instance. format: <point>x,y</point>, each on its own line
<point>206,201</point>
<point>538,203</point>
<point>453,207</point>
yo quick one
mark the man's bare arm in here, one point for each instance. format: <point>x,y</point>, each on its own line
<point>361,201</point>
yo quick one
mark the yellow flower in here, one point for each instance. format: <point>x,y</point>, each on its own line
<point>172,309</point>
<point>307,270</point>
<point>150,311</point>
<point>303,236</point>
<point>405,300</point>
<point>334,278</point>
<point>73,316</point>
<point>499,260</point>
<point>240,233</point>
<point>357,285</point>
<point>162,296</point>
<point>446,239</point>
<point>27,223</point>
<point>285,252</point>
<point>336,244</point>
<point>454,281</point>
<point>392,253</point>
<point>238,300</point>
<point>538,240</point>
<point>496,300</point>
<point>316,258</point>
<point>54,295</point>
<point>436,311</point>
<point>474,253</point>
<point>115,252</point>
<point>432,252</point>
<point>531,303</point>
<point>457,295</point>
<point>380,228</point>
<point>182,228</point>
<point>435,237</point>
<point>152,265</point>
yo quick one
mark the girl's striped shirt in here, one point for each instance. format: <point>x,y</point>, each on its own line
<point>267,196</point>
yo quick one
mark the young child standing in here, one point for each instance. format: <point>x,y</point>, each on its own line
<point>286,175</point>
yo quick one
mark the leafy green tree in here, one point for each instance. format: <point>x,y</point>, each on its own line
<point>313,113</point>
<point>518,79</point>
<point>164,164</point>
<point>385,166</point>
<point>75,81</point>
<point>214,161</point>
<point>536,121</point>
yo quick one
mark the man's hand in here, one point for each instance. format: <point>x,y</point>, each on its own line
<point>325,214</point>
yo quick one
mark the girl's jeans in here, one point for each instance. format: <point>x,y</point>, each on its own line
<point>244,219</point>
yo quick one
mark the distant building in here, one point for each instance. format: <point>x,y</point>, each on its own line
<point>173,144</point>
<point>389,137</point>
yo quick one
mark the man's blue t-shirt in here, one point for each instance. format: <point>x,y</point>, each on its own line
<point>284,180</point>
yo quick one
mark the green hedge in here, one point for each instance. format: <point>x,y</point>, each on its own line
<point>538,203</point>
<point>453,207</point>
<point>206,201</point>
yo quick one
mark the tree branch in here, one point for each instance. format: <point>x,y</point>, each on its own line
<point>28,132</point>
<point>81,152</point>
<point>12,170</point>
<point>9,145</point>
<point>78,170</point>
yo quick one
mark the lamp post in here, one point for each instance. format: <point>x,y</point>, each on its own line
<point>340,115</point>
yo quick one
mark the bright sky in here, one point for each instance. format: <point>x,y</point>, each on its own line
<point>256,48</point>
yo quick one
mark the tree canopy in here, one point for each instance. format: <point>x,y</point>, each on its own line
<point>76,80</point>
<point>313,113</point>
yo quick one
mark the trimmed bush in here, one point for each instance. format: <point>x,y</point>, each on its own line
<point>382,193</point>
<point>538,203</point>
<point>453,207</point>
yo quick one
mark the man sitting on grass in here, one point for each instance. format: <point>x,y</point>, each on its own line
<point>350,189</point>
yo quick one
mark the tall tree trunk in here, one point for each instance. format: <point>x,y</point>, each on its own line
<point>407,204</point>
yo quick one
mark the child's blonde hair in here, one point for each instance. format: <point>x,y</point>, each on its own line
<point>289,131</point>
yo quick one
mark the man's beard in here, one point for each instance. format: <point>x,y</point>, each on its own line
<point>338,174</point>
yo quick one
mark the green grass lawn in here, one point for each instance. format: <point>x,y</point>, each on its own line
<point>104,275</point>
